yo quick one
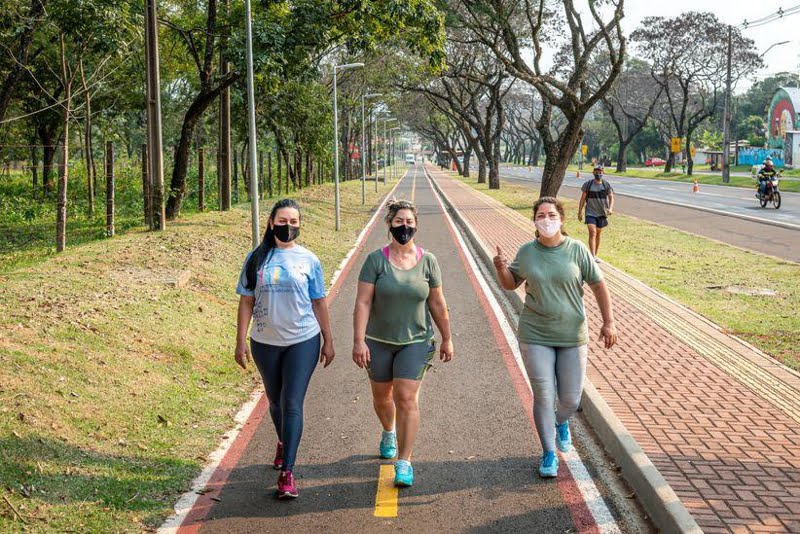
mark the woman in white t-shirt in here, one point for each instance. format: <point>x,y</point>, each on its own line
<point>282,291</point>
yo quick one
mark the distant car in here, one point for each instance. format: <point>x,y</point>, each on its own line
<point>411,159</point>
<point>654,162</point>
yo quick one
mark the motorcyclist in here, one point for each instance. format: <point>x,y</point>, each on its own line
<point>767,172</point>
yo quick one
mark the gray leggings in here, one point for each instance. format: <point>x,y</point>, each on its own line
<point>552,369</point>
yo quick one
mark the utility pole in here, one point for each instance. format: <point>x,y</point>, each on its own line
<point>726,122</point>
<point>154,141</point>
<point>251,108</point>
<point>224,124</point>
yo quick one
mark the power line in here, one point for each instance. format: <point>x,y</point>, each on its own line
<point>781,13</point>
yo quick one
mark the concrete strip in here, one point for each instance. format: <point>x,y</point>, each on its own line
<point>657,497</point>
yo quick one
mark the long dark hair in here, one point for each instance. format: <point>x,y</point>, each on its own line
<point>263,251</point>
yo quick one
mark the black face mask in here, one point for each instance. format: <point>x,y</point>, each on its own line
<point>286,232</point>
<point>403,234</point>
<point>598,177</point>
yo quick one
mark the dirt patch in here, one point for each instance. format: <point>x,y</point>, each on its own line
<point>749,291</point>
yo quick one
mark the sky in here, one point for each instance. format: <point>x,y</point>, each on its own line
<point>781,58</point>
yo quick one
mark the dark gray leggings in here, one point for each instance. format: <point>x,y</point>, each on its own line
<point>554,372</point>
<point>286,372</point>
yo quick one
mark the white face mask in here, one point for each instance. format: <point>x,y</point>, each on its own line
<point>548,227</point>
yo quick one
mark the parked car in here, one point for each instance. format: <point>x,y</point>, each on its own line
<point>654,162</point>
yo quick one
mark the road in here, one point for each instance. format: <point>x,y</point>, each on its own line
<point>476,454</point>
<point>737,220</point>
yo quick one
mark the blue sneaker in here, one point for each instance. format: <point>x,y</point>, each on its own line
<point>563,437</point>
<point>388,446</point>
<point>548,467</point>
<point>403,473</point>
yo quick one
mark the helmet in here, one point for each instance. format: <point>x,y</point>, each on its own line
<point>768,161</point>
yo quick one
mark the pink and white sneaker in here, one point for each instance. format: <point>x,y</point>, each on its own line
<point>277,463</point>
<point>287,489</point>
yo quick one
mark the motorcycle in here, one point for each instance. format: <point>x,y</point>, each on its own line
<point>771,193</point>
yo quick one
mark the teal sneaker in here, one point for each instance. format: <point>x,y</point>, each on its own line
<point>563,437</point>
<point>403,473</point>
<point>548,467</point>
<point>388,446</point>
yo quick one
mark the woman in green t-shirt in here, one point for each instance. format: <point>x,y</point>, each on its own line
<point>399,292</point>
<point>552,330</point>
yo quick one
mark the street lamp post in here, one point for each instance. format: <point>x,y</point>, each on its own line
<point>251,105</point>
<point>363,152</point>
<point>337,68</point>
<point>386,146</point>
<point>393,151</point>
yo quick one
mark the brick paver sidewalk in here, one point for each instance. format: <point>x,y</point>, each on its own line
<point>719,419</point>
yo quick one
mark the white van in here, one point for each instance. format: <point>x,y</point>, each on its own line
<point>411,159</point>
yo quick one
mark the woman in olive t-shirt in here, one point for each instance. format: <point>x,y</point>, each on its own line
<point>399,292</point>
<point>552,331</point>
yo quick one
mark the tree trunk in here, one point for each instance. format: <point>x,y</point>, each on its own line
<point>34,165</point>
<point>278,158</point>
<point>88,156</point>
<point>269,173</point>
<point>559,153</point>
<point>110,187</point>
<point>177,193</point>
<point>61,205</point>
<point>465,166</point>
<point>201,180</point>
<point>622,159</point>
<point>481,168</point>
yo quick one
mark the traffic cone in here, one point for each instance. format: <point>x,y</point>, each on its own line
<point>695,187</point>
<point>578,173</point>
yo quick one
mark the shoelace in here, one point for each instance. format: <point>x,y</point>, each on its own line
<point>549,460</point>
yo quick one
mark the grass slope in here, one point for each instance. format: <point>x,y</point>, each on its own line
<point>114,385</point>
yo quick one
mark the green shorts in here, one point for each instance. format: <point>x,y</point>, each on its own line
<point>388,361</point>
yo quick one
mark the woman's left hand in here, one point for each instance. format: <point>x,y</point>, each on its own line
<point>446,350</point>
<point>608,333</point>
<point>327,354</point>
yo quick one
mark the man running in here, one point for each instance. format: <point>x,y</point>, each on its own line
<point>598,198</point>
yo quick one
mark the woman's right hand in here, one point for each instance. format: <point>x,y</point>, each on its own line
<point>361,353</point>
<point>500,261</point>
<point>242,354</point>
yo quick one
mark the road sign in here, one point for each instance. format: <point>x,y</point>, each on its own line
<point>692,151</point>
<point>585,149</point>
<point>676,144</point>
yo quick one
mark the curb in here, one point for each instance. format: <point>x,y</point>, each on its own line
<point>768,222</point>
<point>659,500</point>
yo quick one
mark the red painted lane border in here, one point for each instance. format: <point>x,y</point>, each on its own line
<point>193,520</point>
<point>581,515</point>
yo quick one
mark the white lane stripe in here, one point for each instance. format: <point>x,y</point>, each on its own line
<point>591,496</point>
<point>187,500</point>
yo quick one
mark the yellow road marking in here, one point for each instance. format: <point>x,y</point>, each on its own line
<point>386,497</point>
<point>413,186</point>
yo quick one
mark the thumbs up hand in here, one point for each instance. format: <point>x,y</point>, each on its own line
<point>500,261</point>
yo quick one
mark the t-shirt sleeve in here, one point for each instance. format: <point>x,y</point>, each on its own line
<point>434,273</point>
<point>369,271</point>
<point>316,282</point>
<point>515,267</point>
<point>585,187</point>
<point>241,288</point>
<point>609,189</point>
<point>590,272</point>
